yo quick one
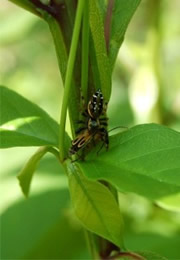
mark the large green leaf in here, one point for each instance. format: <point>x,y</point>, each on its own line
<point>33,228</point>
<point>95,206</point>
<point>144,160</point>
<point>22,123</point>
<point>122,13</point>
<point>166,245</point>
<point>97,31</point>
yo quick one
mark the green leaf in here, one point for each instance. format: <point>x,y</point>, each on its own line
<point>166,245</point>
<point>122,13</point>
<point>97,31</point>
<point>22,123</point>
<point>95,206</point>
<point>171,203</point>
<point>33,228</point>
<point>145,160</point>
<point>26,174</point>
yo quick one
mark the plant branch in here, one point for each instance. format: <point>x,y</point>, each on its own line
<point>49,8</point>
<point>68,77</point>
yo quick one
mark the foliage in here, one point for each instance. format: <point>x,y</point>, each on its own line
<point>143,160</point>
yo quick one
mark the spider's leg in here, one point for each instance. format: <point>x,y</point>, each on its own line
<point>104,107</point>
<point>104,123</point>
<point>103,119</point>
<point>104,138</point>
<point>80,122</point>
<point>79,130</point>
<point>85,113</point>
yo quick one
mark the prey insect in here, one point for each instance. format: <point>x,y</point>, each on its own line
<point>94,125</point>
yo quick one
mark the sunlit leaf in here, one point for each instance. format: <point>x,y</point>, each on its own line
<point>171,203</point>
<point>144,160</point>
<point>22,123</point>
<point>95,206</point>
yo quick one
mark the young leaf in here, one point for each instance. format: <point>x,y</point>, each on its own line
<point>26,174</point>
<point>97,31</point>
<point>95,206</point>
<point>122,13</point>
<point>144,160</point>
<point>22,123</point>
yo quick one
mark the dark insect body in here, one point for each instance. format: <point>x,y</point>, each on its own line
<point>94,125</point>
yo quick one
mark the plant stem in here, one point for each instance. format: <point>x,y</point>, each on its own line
<point>68,77</point>
<point>85,51</point>
<point>91,244</point>
<point>54,152</point>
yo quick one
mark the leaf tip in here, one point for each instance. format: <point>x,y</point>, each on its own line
<point>24,188</point>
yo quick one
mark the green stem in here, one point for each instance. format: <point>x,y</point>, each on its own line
<point>68,78</point>
<point>54,152</point>
<point>91,244</point>
<point>85,51</point>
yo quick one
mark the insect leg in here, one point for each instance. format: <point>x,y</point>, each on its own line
<point>104,138</point>
<point>103,119</point>
<point>85,113</point>
<point>80,130</point>
<point>80,122</point>
<point>104,123</point>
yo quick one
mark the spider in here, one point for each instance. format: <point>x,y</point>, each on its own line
<point>94,127</point>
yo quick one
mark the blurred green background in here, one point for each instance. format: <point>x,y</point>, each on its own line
<point>146,88</point>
